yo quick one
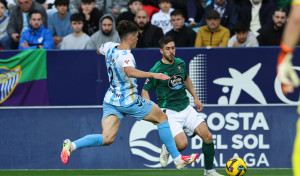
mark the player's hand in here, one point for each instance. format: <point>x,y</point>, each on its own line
<point>198,104</point>
<point>286,73</point>
<point>161,76</point>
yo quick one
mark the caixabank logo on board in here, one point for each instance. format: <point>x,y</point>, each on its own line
<point>9,79</point>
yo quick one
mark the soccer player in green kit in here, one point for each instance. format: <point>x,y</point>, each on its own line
<point>173,100</point>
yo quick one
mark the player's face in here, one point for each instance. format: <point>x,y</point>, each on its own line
<point>165,6</point>
<point>141,19</point>
<point>36,20</point>
<point>279,19</point>
<point>106,26</point>
<point>2,9</point>
<point>241,36</point>
<point>77,26</point>
<point>62,9</point>
<point>168,51</point>
<point>25,5</point>
<point>213,23</point>
<point>134,39</point>
<point>135,6</point>
<point>177,21</point>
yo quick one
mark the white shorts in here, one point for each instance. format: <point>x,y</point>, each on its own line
<point>184,121</point>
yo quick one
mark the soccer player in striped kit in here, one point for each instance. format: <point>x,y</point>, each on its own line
<point>286,74</point>
<point>122,98</point>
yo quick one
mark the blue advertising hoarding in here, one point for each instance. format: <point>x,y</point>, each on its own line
<point>32,138</point>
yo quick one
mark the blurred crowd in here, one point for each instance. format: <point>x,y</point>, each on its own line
<point>86,24</point>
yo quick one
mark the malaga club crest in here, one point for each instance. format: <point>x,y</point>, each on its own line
<point>9,79</point>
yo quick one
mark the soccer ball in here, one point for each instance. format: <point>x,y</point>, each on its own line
<point>236,166</point>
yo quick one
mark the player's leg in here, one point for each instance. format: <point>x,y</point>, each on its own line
<point>195,124</point>
<point>143,109</point>
<point>175,120</point>
<point>110,125</point>
<point>296,153</point>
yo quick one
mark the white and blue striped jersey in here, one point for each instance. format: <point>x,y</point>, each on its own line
<point>122,89</point>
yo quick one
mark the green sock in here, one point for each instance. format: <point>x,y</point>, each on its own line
<point>209,154</point>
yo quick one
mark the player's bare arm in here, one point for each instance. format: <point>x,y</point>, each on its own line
<point>135,73</point>
<point>189,86</point>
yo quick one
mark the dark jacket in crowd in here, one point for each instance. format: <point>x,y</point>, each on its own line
<point>129,16</point>
<point>185,37</point>
<point>229,17</point>
<point>150,36</point>
<point>92,25</point>
<point>15,24</point>
<point>265,13</point>
<point>270,36</point>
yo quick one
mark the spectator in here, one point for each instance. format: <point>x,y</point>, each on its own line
<point>213,34</point>
<point>75,5</point>
<point>227,10</point>
<point>134,6</point>
<point>59,22</point>
<point>116,7</point>
<point>18,22</point>
<point>37,36</point>
<point>258,13</point>
<point>195,11</point>
<point>180,5</point>
<point>92,16</point>
<point>182,35</point>
<point>150,7</point>
<point>243,36</point>
<point>107,33</point>
<point>3,19</point>
<point>78,39</point>
<point>149,35</point>
<point>162,19</point>
<point>271,35</point>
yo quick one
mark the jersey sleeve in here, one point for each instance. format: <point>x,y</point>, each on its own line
<point>149,85</point>
<point>127,60</point>
<point>102,49</point>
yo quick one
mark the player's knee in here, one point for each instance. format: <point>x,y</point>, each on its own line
<point>107,140</point>
<point>181,146</point>
<point>207,138</point>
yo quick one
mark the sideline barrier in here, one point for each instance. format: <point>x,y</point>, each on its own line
<point>220,75</point>
<point>31,138</point>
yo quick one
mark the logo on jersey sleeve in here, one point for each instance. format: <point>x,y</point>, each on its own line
<point>179,68</point>
<point>175,82</point>
<point>147,80</point>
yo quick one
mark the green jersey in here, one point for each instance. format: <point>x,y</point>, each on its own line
<point>171,93</point>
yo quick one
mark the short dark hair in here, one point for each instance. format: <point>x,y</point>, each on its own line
<point>281,10</point>
<point>132,1</point>
<point>34,12</point>
<point>126,27</point>
<point>165,40</point>
<point>4,3</point>
<point>87,1</point>
<point>241,26</point>
<point>61,2</point>
<point>77,17</point>
<point>160,1</point>
<point>177,12</point>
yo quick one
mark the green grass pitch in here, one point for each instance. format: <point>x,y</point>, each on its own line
<point>139,172</point>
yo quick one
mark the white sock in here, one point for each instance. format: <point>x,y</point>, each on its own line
<point>177,159</point>
<point>209,171</point>
<point>73,146</point>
